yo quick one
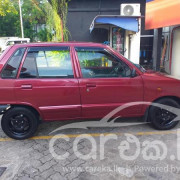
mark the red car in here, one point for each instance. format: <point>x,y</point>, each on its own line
<point>65,81</point>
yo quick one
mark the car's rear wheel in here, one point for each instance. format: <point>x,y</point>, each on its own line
<point>19,123</point>
<point>161,118</point>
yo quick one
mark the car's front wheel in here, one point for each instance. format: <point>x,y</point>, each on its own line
<point>19,123</point>
<point>161,118</point>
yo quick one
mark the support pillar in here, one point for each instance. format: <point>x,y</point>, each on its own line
<point>157,45</point>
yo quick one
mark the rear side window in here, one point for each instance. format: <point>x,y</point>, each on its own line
<point>11,68</point>
<point>29,67</point>
<point>47,62</point>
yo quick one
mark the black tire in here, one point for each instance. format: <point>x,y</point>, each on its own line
<point>19,123</point>
<point>162,119</point>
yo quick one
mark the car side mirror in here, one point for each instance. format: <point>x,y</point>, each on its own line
<point>133,73</point>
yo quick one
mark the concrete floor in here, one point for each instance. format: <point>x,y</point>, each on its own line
<point>31,159</point>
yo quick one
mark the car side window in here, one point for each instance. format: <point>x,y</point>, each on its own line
<point>99,63</point>
<point>11,68</point>
<point>29,69</point>
<point>47,62</point>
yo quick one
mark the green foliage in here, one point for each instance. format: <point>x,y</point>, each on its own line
<point>6,6</point>
<point>59,14</point>
<point>9,19</point>
<point>44,35</point>
<point>53,14</point>
<point>33,13</point>
<point>10,25</point>
<point>54,23</point>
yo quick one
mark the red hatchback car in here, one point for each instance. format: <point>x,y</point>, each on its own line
<point>65,81</point>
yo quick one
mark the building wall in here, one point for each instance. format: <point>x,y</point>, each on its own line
<point>172,62</point>
<point>82,12</point>
<point>175,61</point>
<point>166,61</point>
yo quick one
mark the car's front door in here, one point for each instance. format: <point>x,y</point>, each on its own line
<point>106,83</point>
<point>46,80</point>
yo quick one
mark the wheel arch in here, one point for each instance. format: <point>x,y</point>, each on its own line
<point>33,109</point>
<point>177,99</point>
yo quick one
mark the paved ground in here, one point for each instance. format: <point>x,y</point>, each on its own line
<point>31,159</point>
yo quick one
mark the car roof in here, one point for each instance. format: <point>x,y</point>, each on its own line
<point>74,43</point>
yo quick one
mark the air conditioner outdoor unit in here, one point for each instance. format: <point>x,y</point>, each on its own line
<point>130,10</point>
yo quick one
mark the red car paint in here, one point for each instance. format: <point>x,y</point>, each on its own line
<point>78,97</point>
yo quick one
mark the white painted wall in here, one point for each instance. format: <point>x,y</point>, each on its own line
<point>135,47</point>
<point>131,44</point>
<point>126,44</point>
<point>175,67</point>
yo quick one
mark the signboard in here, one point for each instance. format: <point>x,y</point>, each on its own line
<point>118,39</point>
<point>162,13</point>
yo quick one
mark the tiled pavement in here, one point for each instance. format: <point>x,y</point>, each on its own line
<point>31,159</point>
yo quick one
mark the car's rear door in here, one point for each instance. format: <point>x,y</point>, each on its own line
<point>46,81</point>
<point>106,83</point>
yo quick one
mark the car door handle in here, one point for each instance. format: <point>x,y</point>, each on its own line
<point>26,86</point>
<point>90,85</point>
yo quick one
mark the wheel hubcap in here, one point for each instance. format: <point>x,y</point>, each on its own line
<point>165,117</point>
<point>19,124</point>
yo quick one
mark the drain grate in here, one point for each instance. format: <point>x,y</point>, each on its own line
<point>2,169</point>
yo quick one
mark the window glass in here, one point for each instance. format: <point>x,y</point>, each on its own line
<point>48,63</point>
<point>29,69</point>
<point>97,62</point>
<point>11,68</point>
